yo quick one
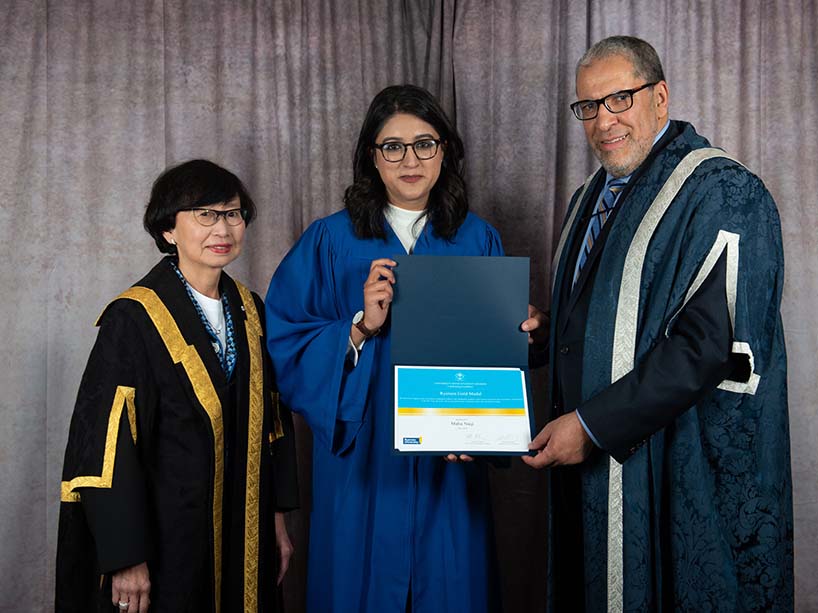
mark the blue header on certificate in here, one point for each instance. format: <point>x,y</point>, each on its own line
<point>456,409</point>
<point>460,391</point>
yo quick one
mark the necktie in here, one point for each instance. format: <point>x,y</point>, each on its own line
<point>597,221</point>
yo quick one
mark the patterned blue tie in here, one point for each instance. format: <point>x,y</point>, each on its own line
<point>598,219</point>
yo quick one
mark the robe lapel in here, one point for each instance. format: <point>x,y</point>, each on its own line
<point>589,270</point>
<point>585,279</point>
<point>569,297</point>
<point>177,322</point>
<point>173,294</point>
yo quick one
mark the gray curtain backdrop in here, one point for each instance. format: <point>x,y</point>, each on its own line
<point>98,97</point>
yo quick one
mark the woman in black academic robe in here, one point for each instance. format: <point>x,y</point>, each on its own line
<point>180,461</point>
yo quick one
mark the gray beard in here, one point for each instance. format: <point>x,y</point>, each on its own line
<point>618,171</point>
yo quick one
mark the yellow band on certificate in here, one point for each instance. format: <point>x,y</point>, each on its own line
<point>419,411</point>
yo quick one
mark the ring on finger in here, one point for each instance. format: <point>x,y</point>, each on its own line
<point>123,606</point>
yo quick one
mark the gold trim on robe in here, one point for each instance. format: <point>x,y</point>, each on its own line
<point>255,426</point>
<point>124,397</point>
<point>186,355</point>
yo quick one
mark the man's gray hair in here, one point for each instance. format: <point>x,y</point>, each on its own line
<point>642,55</point>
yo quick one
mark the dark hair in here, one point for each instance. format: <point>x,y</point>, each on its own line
<point>191,184</point>
<point>365,199</point>
<point>642,55</point>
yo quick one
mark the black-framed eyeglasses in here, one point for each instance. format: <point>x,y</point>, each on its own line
<point>425,149</point>
<point>209,217</point>
<point>618,102</point>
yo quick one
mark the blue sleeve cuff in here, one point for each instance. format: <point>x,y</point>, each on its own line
<point>587,430</point>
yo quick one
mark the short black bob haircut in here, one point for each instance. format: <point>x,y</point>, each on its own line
<point>191,184</point>
<point>365,199</point>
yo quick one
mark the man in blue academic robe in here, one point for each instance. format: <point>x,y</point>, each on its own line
<point>669,432</point>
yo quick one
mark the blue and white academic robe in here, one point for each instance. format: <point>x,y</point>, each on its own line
<point>688,504</point>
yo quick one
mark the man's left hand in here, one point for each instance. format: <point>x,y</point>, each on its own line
<point>536,325</point>
<point>562,441</point>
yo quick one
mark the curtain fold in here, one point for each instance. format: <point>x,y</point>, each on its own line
<point>98,97</point>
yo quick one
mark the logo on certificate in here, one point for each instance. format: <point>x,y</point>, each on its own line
<point>459,376</point>
<point>412,440</point>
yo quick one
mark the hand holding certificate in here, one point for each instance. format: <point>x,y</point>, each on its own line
<point>459,355</point>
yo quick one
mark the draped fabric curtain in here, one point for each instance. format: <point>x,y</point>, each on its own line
<point>99,96</point>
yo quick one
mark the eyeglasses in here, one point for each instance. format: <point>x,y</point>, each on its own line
<point>618,102</point>
<point>424,149</point>
<point>209,217</point>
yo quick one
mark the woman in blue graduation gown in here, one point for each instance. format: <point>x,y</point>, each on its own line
<point>388,533</point>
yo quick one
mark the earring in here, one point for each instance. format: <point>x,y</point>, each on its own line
<point>173,241</point>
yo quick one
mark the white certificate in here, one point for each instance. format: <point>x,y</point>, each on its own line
<point>446,409</point>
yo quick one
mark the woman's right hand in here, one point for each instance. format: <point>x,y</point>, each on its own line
<point>377,296</point>
<point>132,585</point>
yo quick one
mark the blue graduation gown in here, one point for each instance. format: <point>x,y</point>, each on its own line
<point>706,498</point>
<point>381,524</point>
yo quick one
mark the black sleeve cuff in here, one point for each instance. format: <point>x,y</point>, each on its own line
<point>672,377</point>
<point>118,516</point>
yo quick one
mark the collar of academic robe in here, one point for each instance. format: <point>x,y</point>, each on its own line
<point>162,279</point>
<point>589,269</point>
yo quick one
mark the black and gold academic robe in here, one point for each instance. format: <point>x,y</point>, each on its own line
<point>171,463</point>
